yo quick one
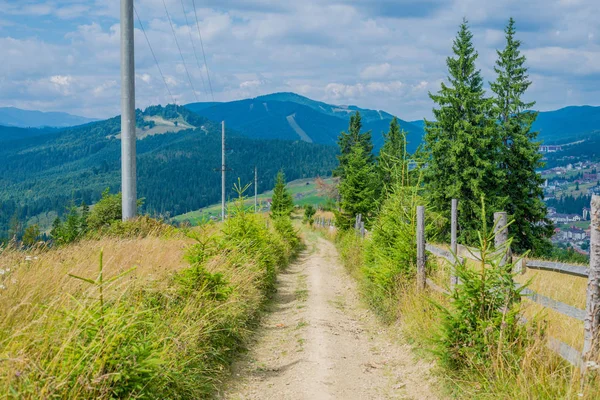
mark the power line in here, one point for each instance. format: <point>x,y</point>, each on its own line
<point>154,55</point>
<point>193,45</point>
<point>203,53</point>
<point>180,53</point>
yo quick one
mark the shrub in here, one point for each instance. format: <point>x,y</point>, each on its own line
<point>481,323</point>
<point>390,252</point>
<point>309,213</point>
<point>107,210</point>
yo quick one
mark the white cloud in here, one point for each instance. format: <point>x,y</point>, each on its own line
<point>61,80</point>
<point>377,53</point>
<point>377,71</point>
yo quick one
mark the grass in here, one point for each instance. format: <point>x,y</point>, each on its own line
<point>168,328</point>
<point>304,192</point>
<point>579,224</point>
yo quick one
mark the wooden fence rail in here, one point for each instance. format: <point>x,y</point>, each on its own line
<point>590,316</point>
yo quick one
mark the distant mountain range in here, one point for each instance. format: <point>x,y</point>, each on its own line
<point>289,116</point>
<point>568,124</point>
<point>16,117</point>
<point>178,153</point>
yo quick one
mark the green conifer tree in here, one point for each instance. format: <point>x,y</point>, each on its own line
<point>347,140</point>
<point>392,157</point>
<point>520,158</point>
<point>282,203</point>
<point>358,189</point>
<point>31,235</point>
<point>462,142</point>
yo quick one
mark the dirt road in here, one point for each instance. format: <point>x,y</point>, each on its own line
<point>319,342</point>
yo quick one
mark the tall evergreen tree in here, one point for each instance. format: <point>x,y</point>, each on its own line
<point>519,156</point>
<point>282,203</point>
<point>392,156</point>
<point>462,142</point>
<point>358,189</point>
<point>347,140</point>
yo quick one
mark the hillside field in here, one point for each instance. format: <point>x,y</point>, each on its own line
<point>304,192</point>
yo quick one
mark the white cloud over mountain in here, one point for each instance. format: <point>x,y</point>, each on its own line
<point>382,54</point>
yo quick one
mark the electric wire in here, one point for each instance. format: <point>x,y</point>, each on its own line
<point>203,53</point>
<point>180,53</point>
<point>154,55</point>
<point>187,23</point>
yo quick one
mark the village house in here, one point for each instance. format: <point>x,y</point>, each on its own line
<point>574,233</point>
<point>564,218</point>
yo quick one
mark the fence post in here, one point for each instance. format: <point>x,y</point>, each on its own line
<point>501,237</point>
<point>421,247</point>
<point>453,242</point>
<point>591,322</point>
<point>362,229</point>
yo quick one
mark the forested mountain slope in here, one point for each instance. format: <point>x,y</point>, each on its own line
<point>289,116</point>
<point>177,172</point>
<point>13,133</point>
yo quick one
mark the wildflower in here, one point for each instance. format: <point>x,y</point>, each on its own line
<point>2,287</point>
<point>2,272</point>
<point>28,258</point>
<point>591,365</point>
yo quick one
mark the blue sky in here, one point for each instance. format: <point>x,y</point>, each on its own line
<point>381,54</point>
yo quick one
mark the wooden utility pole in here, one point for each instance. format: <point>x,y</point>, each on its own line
<point>255,190</point>
<point>501,235</point>
<point>421,278</point>
<point>591,323</point>
<point>223,165</point>
<point>128,145</point>
<point>453,242</point>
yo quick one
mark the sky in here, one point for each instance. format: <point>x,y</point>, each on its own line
<point>63,55</point>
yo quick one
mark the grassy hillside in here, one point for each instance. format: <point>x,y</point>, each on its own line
<point>159,315</point>
<point>177,172</point>
<point>304,191</point>
<point>289,116</point>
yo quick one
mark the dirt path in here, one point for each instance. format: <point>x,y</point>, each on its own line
<point>319,342</point>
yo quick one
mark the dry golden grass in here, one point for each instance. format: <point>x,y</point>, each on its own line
<point>39,276</point>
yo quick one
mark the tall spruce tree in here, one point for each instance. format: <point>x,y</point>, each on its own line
<point>519,154</point>
<point>347,140</point>
<point>357,189</point>
<point>462,142</point>
<point>282,203</point>
<point>392,157</point>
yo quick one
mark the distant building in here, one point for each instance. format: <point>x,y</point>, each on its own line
<point>575,233</point>
<point>590,177</point>
<point>549,149</point>
<point>564,218</point>
<point>586,213</point>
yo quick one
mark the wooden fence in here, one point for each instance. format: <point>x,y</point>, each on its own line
<point>590,316</point>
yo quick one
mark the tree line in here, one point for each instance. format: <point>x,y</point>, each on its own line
<point>479,145</point>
